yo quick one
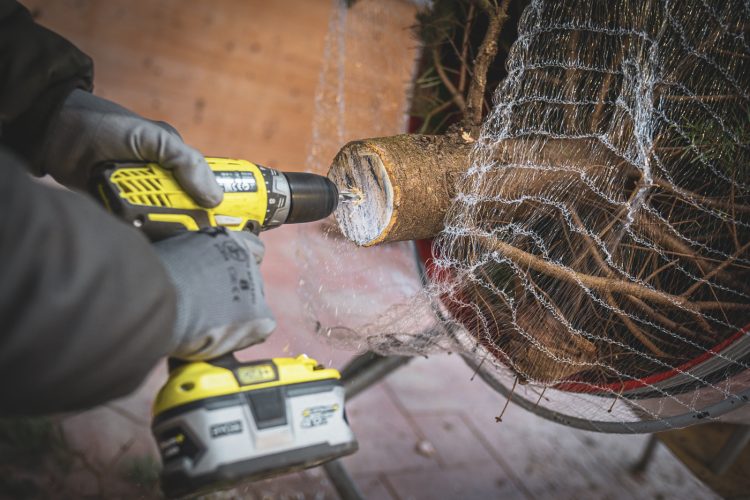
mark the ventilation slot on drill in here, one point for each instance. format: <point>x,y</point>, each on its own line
<point>141,186</point>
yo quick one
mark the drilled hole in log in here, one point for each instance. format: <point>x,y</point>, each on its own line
<point>363,221</point>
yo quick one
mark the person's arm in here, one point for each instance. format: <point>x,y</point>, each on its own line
<point>38,70</point>
<point>49,117</point>
<point>86,306</point>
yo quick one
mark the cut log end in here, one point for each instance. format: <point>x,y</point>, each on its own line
<point>359,169</point>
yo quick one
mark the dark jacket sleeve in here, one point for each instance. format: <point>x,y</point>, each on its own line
<point>38,69</point>
<point>86,307</point>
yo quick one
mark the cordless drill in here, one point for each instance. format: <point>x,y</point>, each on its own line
<point>216,422</point>
<point>256,198</point>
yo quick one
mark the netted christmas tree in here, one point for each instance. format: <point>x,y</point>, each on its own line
<point>597,238</point>
<point>601,234</point>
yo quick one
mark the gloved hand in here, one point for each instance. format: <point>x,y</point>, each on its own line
<point>90,130</point>
<point>220,302</point>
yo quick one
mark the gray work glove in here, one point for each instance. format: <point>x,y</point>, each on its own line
<point>220,302</point>
<point>90,130</point>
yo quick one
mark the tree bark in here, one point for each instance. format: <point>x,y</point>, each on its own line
<point>406,184</point>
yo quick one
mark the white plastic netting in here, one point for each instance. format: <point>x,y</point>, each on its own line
<point>597,251</point>
<point>353,295</point>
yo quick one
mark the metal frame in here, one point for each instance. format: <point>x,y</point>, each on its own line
<point>358,375</point>
<point>636,427</point>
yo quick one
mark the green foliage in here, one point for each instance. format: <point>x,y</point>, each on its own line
<point>727,147</point>
<point>451,32</point>
<point>441,22</point>
<point>440,29</point>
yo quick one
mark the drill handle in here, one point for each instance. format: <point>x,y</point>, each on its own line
<point>150,198</point>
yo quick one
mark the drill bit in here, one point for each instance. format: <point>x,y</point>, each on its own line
<point>350,196</point>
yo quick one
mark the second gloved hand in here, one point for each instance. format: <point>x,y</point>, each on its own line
<point>221,305</point>
<point>90,130</point>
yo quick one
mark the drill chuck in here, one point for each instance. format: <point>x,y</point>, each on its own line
<point>313,197</point>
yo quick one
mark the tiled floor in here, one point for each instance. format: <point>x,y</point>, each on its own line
<point>425,432</point>
<point>475,457</point>
<point>428,432</point>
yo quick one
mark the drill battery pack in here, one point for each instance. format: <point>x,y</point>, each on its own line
<point>220,422</point>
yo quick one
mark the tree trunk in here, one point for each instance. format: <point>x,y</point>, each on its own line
<point>406,183</point>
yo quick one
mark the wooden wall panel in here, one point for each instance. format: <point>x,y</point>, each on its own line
<point>235,77</point>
